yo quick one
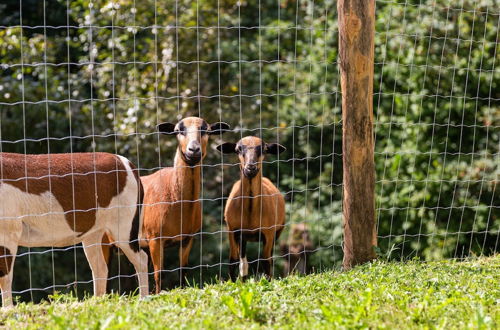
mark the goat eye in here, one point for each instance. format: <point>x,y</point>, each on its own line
<point>204,130</point>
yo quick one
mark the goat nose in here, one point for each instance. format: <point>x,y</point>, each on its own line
<point>252,166</point>
<point>194,148</point>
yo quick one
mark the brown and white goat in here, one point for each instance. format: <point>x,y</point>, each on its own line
<point>57,200</point>
<point>172,209</point>
<point>255,210</point>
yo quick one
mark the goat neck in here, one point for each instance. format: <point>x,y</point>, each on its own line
<point>251,187</point>
<point>187,178</point>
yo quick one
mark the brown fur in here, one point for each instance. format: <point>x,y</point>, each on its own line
<point>36,174</point>
<point>255,209</point>
<point>5,260</point>
<point>172,210</point>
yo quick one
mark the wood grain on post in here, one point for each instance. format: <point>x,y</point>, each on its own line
<point>356,51</point>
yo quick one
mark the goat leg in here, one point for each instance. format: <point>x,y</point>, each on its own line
<point>184,251</point>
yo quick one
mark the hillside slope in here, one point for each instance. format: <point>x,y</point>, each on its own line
<point>446,294</point>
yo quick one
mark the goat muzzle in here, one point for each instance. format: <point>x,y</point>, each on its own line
<point>250,171</point>
<point>192,158</point>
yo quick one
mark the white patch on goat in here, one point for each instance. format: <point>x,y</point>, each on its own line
<point>243,267</point>
<point>41,216</point>
<point>121,207</point>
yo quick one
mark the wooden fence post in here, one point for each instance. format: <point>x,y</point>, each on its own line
<point>356,51</point>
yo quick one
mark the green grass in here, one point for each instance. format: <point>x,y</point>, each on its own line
<point>446,294</point>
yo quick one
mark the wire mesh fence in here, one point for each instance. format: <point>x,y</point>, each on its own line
<point>99,76</point>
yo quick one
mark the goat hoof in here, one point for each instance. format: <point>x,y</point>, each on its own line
<point>148,297</point>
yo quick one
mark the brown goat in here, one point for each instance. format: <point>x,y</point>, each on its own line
<point>255,209</point>
<point>297,249</point>
<point>172,210</point>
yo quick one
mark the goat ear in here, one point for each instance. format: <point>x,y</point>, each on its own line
<point>219,128</point>
<point>274,148</point>
<point>166,128</point>
<point>227,148</point>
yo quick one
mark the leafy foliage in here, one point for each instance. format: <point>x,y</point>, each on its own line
<point>101,78</point>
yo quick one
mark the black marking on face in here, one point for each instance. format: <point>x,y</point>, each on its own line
<point>204,128</point>
<point>240,149</point>
<point>251,154</point>
<point>259,150</point>
<point>182,128</point>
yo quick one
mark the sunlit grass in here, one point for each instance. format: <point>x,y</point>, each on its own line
<point>446,294</point>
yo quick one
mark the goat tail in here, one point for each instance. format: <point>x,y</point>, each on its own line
<point>136,227</point>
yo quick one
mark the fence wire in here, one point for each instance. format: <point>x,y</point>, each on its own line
<point>99,76</point>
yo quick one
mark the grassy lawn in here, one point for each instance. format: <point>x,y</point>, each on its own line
<point>446,294</point>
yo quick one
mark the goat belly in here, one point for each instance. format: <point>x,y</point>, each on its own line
<point>42,217</point>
